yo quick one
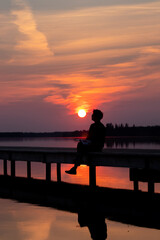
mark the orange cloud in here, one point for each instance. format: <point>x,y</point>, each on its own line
<point>86,96</point>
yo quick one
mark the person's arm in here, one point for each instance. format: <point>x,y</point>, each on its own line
<point>89,136</point>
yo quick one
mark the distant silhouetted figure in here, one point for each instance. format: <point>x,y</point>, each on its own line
<point>94,141</point>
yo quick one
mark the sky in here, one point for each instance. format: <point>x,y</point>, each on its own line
<point>57,57</point>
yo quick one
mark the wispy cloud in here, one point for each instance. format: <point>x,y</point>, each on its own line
<point>32,46</point>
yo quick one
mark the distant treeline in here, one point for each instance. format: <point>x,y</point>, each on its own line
<point>111,130</point>
<point>126,130</point>
<point>43,134</point>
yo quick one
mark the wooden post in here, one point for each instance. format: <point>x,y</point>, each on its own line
<point>92,176</point>
<point>133,174</point>
<point>13,168</point>
<point>48,172</point>
<point>5,167</point>
<point>58,172</point>
<point>28,169</point>
<point>136,187</point>
<point>151,187</point>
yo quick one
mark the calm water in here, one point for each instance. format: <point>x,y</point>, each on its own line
<point>30,222</point>
<point>21,221</point>
<point>72,142</point>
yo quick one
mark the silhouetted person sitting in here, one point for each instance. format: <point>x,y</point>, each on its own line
<point>94,141</point>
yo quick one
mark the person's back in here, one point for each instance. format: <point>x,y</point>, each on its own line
<point>96,135</point>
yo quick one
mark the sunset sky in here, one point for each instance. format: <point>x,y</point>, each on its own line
<point>57,57</point>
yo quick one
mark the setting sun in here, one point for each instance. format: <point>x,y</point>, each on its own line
<point>82,113</point>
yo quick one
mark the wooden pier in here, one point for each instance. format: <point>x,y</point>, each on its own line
<point>127,158</point>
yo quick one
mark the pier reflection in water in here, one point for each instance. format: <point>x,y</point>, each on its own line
<point>82,212</point>
<point>21,221</point>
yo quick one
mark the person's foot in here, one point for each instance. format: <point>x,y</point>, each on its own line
<point>71,171</point>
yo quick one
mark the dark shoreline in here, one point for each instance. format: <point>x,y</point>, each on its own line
<point>62,135</point>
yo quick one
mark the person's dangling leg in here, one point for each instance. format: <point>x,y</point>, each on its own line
<point>78,160</point>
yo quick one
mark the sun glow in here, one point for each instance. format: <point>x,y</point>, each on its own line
<point>82,113</point>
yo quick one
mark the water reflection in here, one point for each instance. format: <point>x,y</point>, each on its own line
<point>31,222</point>
<point>95,221</point>
<point>92,205</point>
<point>116,142</point>
<point>133,142</point>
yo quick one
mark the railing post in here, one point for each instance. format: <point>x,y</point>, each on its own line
<point>92,176</point>
<point>5,167</point>
<point>58,172</point>
<point>28,169</point>
<point>48,172</point>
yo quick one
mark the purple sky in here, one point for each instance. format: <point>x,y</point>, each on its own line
<point>62,56</point>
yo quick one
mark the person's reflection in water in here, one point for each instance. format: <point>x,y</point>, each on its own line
<point>95,221</point>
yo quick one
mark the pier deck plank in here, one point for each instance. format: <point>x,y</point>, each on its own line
<point>130,158</point>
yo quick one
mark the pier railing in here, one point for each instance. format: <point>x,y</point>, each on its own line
<point>128,158</point>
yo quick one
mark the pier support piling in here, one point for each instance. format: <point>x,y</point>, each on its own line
<point>136,185</point>
<point>5,167</point>
<point>151,187</point>
<point>92,176</point>
<point>48,172</point>
<point>29,169</point>
<point>13,168</point>
<point>58,172</point>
